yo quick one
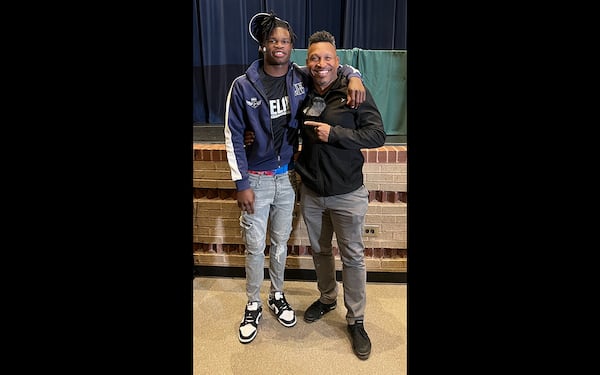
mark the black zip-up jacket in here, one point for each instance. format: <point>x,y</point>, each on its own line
<point>335,167</point>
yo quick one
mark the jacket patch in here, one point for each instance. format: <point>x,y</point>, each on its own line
<point>253,102</point>
<point>298,89</point>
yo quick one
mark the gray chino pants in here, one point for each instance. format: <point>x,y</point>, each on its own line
<point>343,214</point>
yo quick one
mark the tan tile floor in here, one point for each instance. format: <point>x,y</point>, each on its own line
<point>322,347</point>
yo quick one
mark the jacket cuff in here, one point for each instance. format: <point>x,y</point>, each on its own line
<point>242,184</point>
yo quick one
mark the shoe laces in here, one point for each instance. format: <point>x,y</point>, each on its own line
<point>249,318</point>
<point>359,327</point>
<point>281,303</point>
<point>250,315</point>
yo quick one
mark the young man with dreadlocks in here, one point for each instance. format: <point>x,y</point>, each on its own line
<point>265,101</point>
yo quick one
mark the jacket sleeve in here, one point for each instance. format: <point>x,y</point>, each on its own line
<point>369,132</point>
<point>349,71</point>
<point>234,136</point>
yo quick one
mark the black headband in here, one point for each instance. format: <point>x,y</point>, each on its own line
<point>256,21</point>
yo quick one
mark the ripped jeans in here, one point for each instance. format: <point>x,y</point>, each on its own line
<point>274,204</point>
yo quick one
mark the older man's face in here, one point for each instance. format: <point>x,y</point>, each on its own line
<point>323,63</point>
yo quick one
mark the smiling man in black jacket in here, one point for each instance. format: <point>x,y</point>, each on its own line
<point>333,197</point>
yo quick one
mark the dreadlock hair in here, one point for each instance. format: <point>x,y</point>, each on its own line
<point>321,36</point>
<point>263,29</point>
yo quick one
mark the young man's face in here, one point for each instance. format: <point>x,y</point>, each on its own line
<point>278,47</point>
<point>323,62</point>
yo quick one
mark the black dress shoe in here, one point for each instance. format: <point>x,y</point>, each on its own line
<point>361,344</point>
<point>317,310</point>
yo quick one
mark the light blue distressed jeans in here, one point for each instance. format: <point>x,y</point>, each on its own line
<point>274,203</point>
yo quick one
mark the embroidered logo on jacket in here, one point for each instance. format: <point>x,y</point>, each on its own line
<point>298,89</point>
<point>253,102</point>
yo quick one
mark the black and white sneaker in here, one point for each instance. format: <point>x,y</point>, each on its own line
<point>282,310</point>
<point>249,324</point>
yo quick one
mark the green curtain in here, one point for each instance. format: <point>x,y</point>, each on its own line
<point>384,74</point>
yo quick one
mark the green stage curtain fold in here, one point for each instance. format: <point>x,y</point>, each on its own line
<point>384,74</point>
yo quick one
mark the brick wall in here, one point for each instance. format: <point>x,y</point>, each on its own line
<point>218,241</point>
